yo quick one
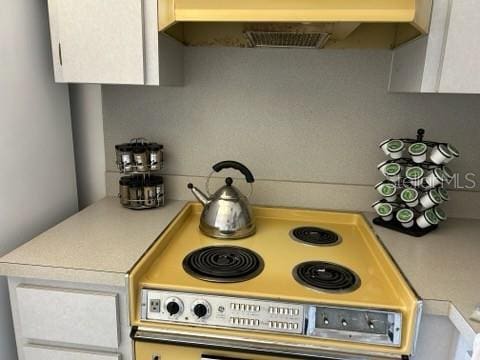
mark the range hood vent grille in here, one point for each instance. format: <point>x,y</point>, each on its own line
<point>283,39</point>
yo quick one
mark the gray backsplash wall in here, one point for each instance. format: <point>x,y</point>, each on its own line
<point>307,123</point>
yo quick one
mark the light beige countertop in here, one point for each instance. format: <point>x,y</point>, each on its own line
<point>443,266</point>
<point>100,244</point>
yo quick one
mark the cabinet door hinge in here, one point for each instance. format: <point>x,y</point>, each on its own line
<point>60,53</point>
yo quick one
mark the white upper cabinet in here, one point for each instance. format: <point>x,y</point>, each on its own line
<point>448,59</point>
<point>112,42</point>
<point>461,58</point>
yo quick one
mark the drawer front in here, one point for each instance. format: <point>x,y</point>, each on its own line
<point>43,353</point>
<point>68,316</point>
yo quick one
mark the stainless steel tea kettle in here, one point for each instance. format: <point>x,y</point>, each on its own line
<point>227,213</point>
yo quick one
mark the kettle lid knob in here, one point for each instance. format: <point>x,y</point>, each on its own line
<point>229,181</point>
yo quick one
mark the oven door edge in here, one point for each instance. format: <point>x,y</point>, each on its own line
<point>142,334</point>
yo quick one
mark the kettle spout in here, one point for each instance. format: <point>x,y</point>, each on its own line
<point>198,194</point>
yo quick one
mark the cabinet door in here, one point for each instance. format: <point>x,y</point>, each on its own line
<point>97,41</point>
<point>49,353</point>
<point>461,62</point>
<point>68,316</point>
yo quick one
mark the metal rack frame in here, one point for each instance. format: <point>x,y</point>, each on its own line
<point>398,204</point>
<point>142,204</point>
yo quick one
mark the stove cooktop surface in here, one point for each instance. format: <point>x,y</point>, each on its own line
<point>328,267</point>
<point>267,263</point>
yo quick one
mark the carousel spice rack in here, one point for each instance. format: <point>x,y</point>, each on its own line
<point>416,211</point>
<point>139,189</point>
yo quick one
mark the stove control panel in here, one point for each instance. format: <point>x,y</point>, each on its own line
<point>222,311</point>
<point>363,325</point>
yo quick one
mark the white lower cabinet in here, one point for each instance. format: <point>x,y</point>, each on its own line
<point>68,316</point>
<point>45,353</point>
<point>440,340</point>
<point>57,320</point>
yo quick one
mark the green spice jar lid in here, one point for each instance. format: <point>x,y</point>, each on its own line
<point>387,189</point>
<point>384,142</point>
<point>443,193</point>
<point>439,174</point>
<point>384,210</point>
<point>417,149</point>
<point>395,145</point>
<point>414,173</point>
<point>440,213</point>
<point>453,150</point>
<point>405,215</point>
<point>431,217</point>
<point>392,169</point>
<point>448,173</point>
<point>409,195</point>
<point>435,196</point>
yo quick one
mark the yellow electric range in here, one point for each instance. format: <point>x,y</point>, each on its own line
<point>308,284</point>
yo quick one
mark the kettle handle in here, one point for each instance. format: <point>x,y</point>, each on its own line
<point>237,166</point>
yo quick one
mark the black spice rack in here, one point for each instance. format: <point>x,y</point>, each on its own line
<point>140,188</point>
<point>393,224</point>
<point>427,213</point>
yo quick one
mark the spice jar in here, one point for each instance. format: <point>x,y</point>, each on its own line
<point>405,217</point>
<point>430,199</point>
<point>427,219</point>
<point>387,189</point>
<point>435,178</point>
<point>385,210</point>
<point>124,157</point>
<point>409,196</point>
<point>395,148</point>
<point>453,150</point>
<point>155,154</point>
<point>418,152</point>
<point>415,175</point>
<point>440,154</point>
<point>140,157</point>
<point>124,184</point>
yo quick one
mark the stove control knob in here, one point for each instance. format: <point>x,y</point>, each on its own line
<point>344,323</point>
<point>201,309</point>
<point>174,306</point>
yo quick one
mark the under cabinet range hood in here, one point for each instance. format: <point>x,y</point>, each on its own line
<point>295,23</point>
